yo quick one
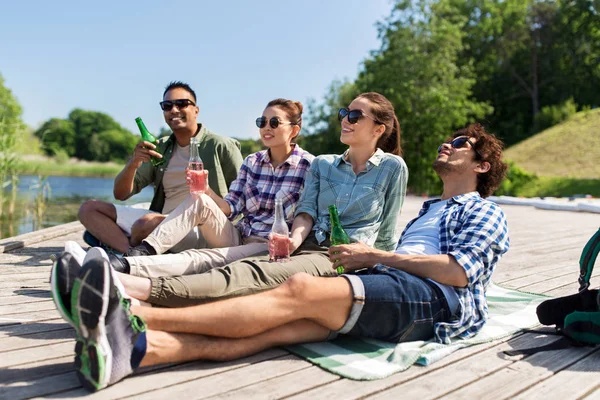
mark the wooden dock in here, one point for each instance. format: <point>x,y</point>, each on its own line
<point>36,346</point>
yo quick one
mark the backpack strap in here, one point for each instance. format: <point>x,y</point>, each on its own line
<point>587,260</point>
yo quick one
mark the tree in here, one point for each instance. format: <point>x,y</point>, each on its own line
<point>323,133</point>
<point>57,134</point>
<point>88,127</point>
<point>11,127</point>
<point>87,124</point>
<point>10,110</point>
<point>417,69</point>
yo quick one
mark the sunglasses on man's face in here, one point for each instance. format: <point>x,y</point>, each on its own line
<point>274,122</point>
<point>458,143</point>
<point>168,105</point>
<point>353,115</point>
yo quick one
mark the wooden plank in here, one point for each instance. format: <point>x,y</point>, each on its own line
<point>36,339</point>
<point>595,395</point>
<point>34,327</point>
<point>349,389</point>
<point>26,356</point>
<point>171,376</point>
<point>508,382</point>
<point>38,282</point>
<point>40,386</point>
<point>573,382</point>
<point>18,299</point>
<point>230,380</point>
<point>282,386</point>
<point>27,317</point>
<point>33,372</point>
<point>44,305</point>
<point>442,382</point>
<point>28,239</point>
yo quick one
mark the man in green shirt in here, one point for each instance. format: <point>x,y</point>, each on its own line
<point>120,226</point>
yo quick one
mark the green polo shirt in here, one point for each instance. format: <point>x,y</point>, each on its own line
<point>221,157</point>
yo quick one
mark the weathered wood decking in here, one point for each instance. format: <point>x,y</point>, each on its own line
<point>36,346</point>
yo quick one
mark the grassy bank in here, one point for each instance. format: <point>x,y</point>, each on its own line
<point>544,186</point>
<point>49,166</point>
<point>570,149</point>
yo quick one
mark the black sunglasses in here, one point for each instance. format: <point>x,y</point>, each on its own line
<point>354,116</point>
<point>168,105</point>
<point>274,122</point>
<point>460,142</point>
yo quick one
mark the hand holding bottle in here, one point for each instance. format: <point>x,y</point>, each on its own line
<point>144,152</point>
<point>352,256</point>
<point>279,238</point>
<point>196,176</point>
<point>147,147</point>
<point>337,236</point>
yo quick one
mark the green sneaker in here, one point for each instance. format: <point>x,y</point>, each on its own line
<point>111,341</point>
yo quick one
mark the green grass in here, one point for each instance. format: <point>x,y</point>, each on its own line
<point>545,186</point>
<point>570,149</point>
<point>51,167</point>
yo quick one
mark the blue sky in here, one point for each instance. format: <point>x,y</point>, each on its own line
<point>117,57</point>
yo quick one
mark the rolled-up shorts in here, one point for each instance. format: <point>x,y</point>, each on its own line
<point>395,306</point>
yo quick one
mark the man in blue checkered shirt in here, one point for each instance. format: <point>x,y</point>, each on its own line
<point>432,287</point>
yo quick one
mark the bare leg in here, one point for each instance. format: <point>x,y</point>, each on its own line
<point>137,287</point>
<point>166,347</point>
<point>99,218</point>
<point>144,226</point>
<point>325,301</point>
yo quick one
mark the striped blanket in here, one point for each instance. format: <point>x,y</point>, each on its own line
<point>365,359</point>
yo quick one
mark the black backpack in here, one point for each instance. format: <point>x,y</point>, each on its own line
<point>577,317</point>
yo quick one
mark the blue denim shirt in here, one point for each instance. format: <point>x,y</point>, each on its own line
<point>368,203</point>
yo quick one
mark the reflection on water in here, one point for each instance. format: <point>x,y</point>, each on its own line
<point>67,194</point>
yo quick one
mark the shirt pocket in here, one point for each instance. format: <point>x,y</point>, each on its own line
<point>252,195</point>
<point>368,205</point>
<point>289,200</point>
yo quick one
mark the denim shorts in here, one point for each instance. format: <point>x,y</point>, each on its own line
<point>395,306</point>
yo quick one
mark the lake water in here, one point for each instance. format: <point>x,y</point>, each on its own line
<point>66,194</point>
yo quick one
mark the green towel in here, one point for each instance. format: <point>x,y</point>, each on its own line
<point>510,311</point>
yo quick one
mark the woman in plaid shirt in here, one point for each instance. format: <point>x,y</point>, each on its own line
<point>278,172</point>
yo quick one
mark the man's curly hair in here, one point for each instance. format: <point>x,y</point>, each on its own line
<point>488,148</point>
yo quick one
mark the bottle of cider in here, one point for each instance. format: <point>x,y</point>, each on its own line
<point>338,234</point>
<point>279,249</point>
<point>198,176</point>
<point>147,137</point>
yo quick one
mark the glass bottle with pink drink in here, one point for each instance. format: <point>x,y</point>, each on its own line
<point>279,249</point>
<point>198,176</point>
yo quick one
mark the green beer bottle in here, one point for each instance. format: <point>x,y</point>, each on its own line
<point>147,136</point>
<point>338,234</point>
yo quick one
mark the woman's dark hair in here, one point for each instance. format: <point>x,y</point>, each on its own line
<point>488,148</point>
<point>293,109</point>
<point>383,112</point>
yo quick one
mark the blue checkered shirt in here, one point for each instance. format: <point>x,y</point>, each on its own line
<point>368,203</point>
<point>257,185</point>
<point>474,231</point>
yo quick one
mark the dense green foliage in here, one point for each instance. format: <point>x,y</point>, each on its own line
<point>87,135</point>
<point>516,66</point>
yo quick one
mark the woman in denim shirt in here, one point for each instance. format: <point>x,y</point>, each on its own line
<point>367,184</point>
